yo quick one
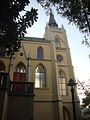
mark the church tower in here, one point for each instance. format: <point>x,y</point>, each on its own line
<point>62,69</point>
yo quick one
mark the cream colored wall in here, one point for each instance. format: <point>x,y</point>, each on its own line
<point>44,108</point>
<point>43,93</point>
<point>31,47</point>
<point>66,64</point>
<point>46,111</point>
<point>6,63</point>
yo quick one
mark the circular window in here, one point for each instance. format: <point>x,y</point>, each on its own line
<point>21,54</point>
<point>59,58</point>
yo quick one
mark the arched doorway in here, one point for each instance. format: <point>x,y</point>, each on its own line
<point>19,72</point>
<point>66,114</point>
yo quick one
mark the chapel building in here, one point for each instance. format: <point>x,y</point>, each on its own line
<point>46,63</point>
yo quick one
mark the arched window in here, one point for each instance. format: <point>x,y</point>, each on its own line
<point>40,77</point>
<point>2,67</point>
<point>62,83</point>
<point>57,43</point>
<point>40,53</point>
<point>19,72</point>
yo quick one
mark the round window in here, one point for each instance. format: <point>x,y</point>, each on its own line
<point>59,58</point>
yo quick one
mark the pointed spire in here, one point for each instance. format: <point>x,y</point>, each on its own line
<point>63,27</point>
<point>52,22</point>
<point>46,25</point>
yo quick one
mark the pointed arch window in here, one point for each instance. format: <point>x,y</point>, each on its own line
<point>40,53</point>
<point>40,77</point>
<point>19,72</point>
<point>2,67</point>
<point>62,83</point>
<point>57,43</point>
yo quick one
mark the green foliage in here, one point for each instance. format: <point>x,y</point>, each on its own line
<point>86,100</point>
<point>13,25</point>
<point>76,11</point>
<point>85,91</point>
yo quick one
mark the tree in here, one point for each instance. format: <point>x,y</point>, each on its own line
<point>86,100</point>
<point>84,89</point>
<point>76,11</point>
<point>13,24</point>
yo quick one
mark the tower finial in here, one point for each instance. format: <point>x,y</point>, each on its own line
<point>63,27</point>
<point>50,10</point>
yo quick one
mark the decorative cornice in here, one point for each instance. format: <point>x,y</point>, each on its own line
<point>33,39</point>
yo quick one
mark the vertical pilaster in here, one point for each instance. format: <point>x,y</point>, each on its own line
<point>10,66</point>
<point>29,68</point>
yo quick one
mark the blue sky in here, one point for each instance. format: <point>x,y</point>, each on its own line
<point>79,52</point>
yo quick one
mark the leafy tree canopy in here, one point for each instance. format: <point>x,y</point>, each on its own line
<point>86,100</point>
<point>76,11</point>
<point>85,91</point>
<point>13,24</point>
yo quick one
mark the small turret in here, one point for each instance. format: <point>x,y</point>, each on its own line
<point>62,27</point>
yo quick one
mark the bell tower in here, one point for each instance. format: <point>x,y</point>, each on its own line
<point>62,69</point>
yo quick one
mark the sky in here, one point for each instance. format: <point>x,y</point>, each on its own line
<point>79,52</point>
